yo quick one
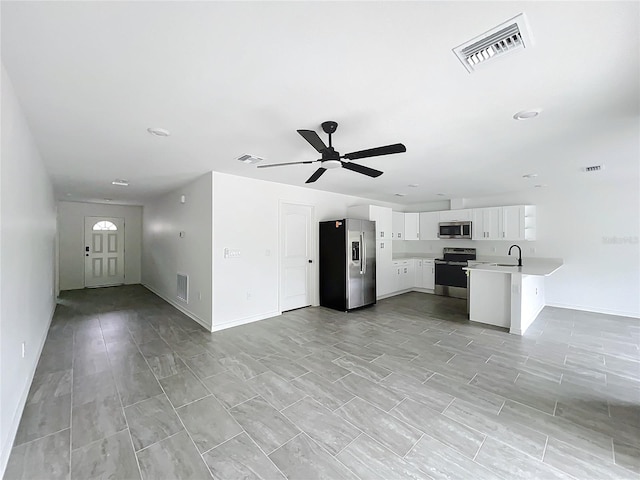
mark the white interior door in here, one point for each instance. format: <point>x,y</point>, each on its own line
<point>296,245</point>
<point>104,251</point>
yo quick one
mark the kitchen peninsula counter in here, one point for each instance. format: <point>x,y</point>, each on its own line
<point>507,295</point>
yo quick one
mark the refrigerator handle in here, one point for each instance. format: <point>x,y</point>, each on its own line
<point>363,258</point>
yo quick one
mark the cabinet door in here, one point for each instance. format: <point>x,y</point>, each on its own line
<point>382,217</point>
<point>491,222</point>
<point>384,267</point>
<point>477,225</point>
<point>398,226</point>
<point>429,225</point>
<point>463,215</point>
<point>411,226</point>
<point>428,275</point>
<point>419,280</point>
<point>513,223</point>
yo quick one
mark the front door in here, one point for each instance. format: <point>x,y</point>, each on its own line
<point>104,251</point>
<point>295,255</point>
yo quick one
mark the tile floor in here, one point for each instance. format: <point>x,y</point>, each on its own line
<point>127,387</point>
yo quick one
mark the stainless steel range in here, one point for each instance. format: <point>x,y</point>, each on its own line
<point>451,279</point>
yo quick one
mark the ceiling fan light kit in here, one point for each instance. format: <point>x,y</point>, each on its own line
<point>332,159</point>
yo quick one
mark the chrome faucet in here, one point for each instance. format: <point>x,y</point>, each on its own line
<point>519,254</point>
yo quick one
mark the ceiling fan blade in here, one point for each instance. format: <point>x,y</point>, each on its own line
<point>313,138</point>
<point>316,175</point>
<point>361,169</point>
<point>290,163</point>
<point>375,152</point>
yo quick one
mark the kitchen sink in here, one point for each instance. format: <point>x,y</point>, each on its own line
<point>504,264</point>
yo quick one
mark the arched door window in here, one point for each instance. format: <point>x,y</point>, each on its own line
<point>105,225</point>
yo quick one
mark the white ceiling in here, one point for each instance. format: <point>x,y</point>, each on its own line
<point>227,78</point>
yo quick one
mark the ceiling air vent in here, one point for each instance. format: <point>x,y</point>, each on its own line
<point>593,168</point>
<point>249,159</point>
<point>510,36</point>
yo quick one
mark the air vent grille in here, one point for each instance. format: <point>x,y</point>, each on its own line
<point>183,287</point>
<point>510,36</point>
<point>249,159</point>
<point>593,168</point>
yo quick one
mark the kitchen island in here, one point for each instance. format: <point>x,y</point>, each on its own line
<point>508,295</point>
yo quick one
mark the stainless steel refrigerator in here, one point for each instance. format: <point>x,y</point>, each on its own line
<point>347,264</point>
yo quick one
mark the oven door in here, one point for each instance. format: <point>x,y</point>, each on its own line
<point>451,279</point>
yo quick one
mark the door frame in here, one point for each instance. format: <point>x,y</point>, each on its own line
<point>312,274</point>
<point>124,250</point>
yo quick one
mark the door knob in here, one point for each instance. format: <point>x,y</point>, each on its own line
<point>310,261</point>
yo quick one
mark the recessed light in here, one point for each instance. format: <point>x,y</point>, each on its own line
<point>527,114</point>
<point>541,185</point>
<point>400,194</point>
<point>121,183</point>
<point>530,175</point>
<point>413,185</point>
<point>159,132</point>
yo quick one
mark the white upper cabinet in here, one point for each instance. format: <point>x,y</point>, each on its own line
<point>411,226</point>
<point>397,232</point>
<point>464,215</point>
<point>380,215</point>
<point>429,225</point>
<point>519,222</point>
<point>486,224</point>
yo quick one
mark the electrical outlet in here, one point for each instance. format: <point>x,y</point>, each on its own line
<point>23,349</point>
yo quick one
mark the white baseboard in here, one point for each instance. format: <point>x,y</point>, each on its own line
<point>400,292</point>
<point>189,314</point>
<point>15,423</point>
<point>605,311</point>
<point>243,321</point>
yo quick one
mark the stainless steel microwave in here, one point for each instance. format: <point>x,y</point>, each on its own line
<point>454,230</point>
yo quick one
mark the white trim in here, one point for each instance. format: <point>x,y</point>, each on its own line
<point>189,314</point>
<point>245,320</point>
<point>15,423</point>
<point>606,311</point>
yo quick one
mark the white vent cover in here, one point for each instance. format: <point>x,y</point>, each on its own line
<point>183,287</point>
<point>593,168</point>
<point>249,159</point>
<point>510,36</point>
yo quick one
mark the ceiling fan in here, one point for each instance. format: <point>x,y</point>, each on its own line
<point>332,159</point>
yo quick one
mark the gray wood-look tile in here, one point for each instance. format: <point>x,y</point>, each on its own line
<point>581,464</point>
<point>324,367</point>
<point>229,389</point>
<point>54,384</point>
<point>627,455</point>
<point>365,369</point>
<point>172,458</point>
<point>243,365</point>
<point>399,364</point>
<point>399,351</point>
<point>419,392</point>
<point>208,423</point>
<point>374,393</point>
<point>127,362</point>
<point>111,457</point>
<point>204,365</point>
<point>44,418</point>
<point>326,428</point>
<point>151,420</point>
<point>370,460</point>
<point>266,426</point>
<point>510,463</point>
<point>241,459</point>
<point>366,353</point>
<point>283,366</point>
<point>166,365</point>
<point>441,462</point>
<point>491,402</point>
<point>135,387</point>
<point>188,348</point>
<point>155,348</point>
<point>183,388</point>
<point>90,363</point>
<point>513,434</point>
<point>95,420</point>
<point>302,459</point>
<point>45,458</point>
<point>464,439</point>
<point>330,395</point>
<point>275,390</point>
<point>93,387</point>
<point>391,432</point>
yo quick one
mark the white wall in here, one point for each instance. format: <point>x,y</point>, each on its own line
<point>27,243</point>
<point>71,240</point>
<point>575,222</point>
<point>246,218</point>
<point>165,254</point>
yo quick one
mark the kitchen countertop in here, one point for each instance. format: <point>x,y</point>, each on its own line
<point>409,256</point>
<point>537,266</point>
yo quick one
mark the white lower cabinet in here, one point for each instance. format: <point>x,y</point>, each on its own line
<point>425,273</point>
<point>411,273</point>
<point>384,266</point>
